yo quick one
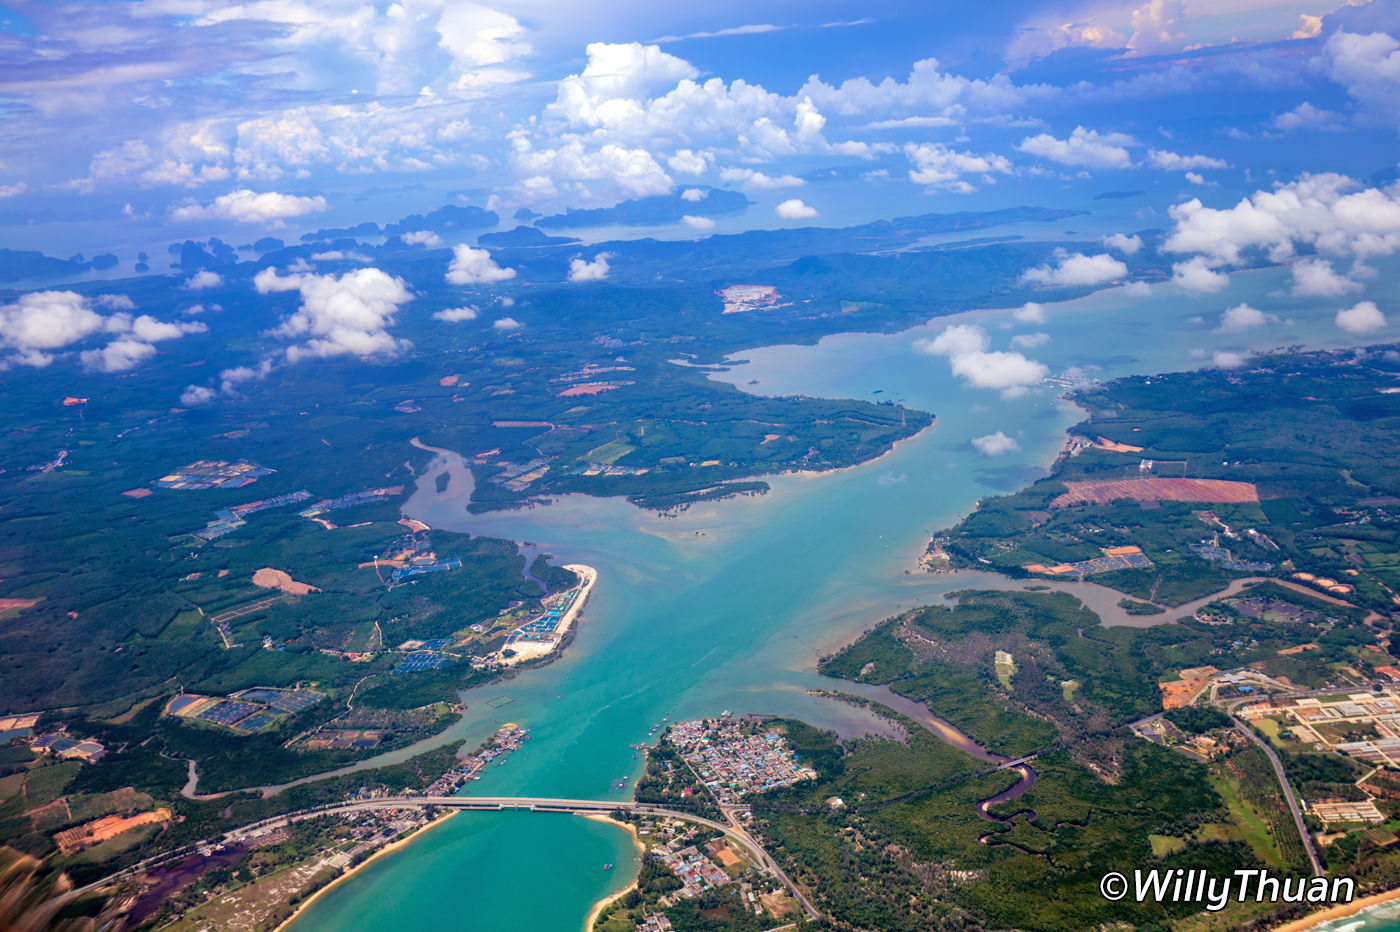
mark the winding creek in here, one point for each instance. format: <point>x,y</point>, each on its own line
<point>730,604</point>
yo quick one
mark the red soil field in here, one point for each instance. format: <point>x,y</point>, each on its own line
<point>1156,489</point>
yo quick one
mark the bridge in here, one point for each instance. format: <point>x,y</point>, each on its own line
<point>731,827</point>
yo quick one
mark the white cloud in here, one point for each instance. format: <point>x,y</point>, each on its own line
<point>230,379</point>
<point>339,255</point>
<point>1077,269</point>
<point>247,206</point>
<point>12,190</point>
<point>39,323</point>
<point>794,209</point>
<point>506,323</point>
<point>1315,278</point>
<point>120,355</point>
<point>204,279</point>
<point>686,162</point>
<point>698,223</point>
<point>694,195</point>
<point>339,316</point>
<point>1137,289</point>
<point>1361,318</point>
<point>966,347</point>
<point>1224,359</point>
<point>758,181</point>
<point>150,330</point>
<point>633,172</point>
<point>1084,147</point>
<point>196,395</point>
<point>1029,340</point>
<point>1171,162</point>
<point>1306,117</point>
<point>475,267</point>
<point>1194,178</point>
<point>1240,318</point>
<point>583,271</point>
<point>997,444</point>
<point>1321,211</point>
<point>421,238</point>
<point>1122,242</point>
<point>1368,66</point>
<point>1030,313</point>
<point>936,165</point>
<point>457,314</point>
<point>1196,275</point>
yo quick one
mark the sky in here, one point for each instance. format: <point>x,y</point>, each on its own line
<point>189,115</point>
<point>1252,129</point>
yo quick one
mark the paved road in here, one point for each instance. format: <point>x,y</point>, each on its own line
<point>1287,792</point>
<point>731,828</point>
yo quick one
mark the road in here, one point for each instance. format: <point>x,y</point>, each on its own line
<point>1287,793</point>
<point>731,828</point>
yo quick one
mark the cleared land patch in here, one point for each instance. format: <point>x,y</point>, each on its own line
<point>1155,489</point>
<point>268,578</point>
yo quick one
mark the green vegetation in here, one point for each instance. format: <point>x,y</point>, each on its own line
<point>1307,429</point>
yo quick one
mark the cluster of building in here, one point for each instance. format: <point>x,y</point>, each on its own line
<point>351,500</point>
<point>248,710</point>
<point>696,871</point>
<point>1212,552</point>
<point>1266,609</point>
<point>518,476</point>
<point>227,520</point>
<point>733,759</point>
<point>740,299</point>
<point>507,739</point>
<point>1336,724</point>
<point>409,557</point>
<point>214,474</point>
<point>1114,558</point>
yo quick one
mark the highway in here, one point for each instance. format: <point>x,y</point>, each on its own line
<point>731,828</point>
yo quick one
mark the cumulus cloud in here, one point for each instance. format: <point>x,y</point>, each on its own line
<point>457,314</point>
<point>1122,242</point>
<point>1077,270</point>
<point>204,279</point>
<point>348,315</point>
<point>421,238</point>
<point>1137,289</point>
<point>1240,318</point>
<point>698,223</point>
<point>686,162</point>
<point>794,209</point>
<point>1368,66</point>
<point>1029,340</point>
<point>230,379</point>
<point>938,166</point>
<point>757,181</point>
<point>997,444</point>
<point>694,195</point>
<point>475,267</point>
<point>195,395</point>
<point>1306,117</point>
<point>506,323</point>
<point>1171,162</point>
<point>1315,278</point>
<point>247,206</point>
<point>1225,359</point>
<point>1324,212</point>
<point>1030,313</point>
<point>584,271</point>
<point>39,323</point>
<point>1083,147</point>
<point>339,255</point>
<point>966,347</point>
<point>1196,275</point>
<point>631,171</point>
<point>1361,318</point>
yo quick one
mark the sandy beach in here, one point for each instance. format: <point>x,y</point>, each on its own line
<point>1342,911</point>
<point>533,650</point>
<point>607,901</point>
<point>387,849</point>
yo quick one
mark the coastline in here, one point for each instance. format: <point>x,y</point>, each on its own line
<point>535,650</point>
<point>387,849</point>
<point>1341,911</point>
<point>607,901</point>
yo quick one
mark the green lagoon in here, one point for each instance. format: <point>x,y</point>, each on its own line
<point>729,605</point>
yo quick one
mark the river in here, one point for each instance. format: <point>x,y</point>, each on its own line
<point>729,605</point>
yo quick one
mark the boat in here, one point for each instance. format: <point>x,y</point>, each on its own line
<point>607,867</point>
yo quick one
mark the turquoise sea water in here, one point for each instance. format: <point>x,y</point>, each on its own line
<point>729,605</point>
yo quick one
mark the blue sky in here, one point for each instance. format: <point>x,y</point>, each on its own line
<point>131,121</point>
